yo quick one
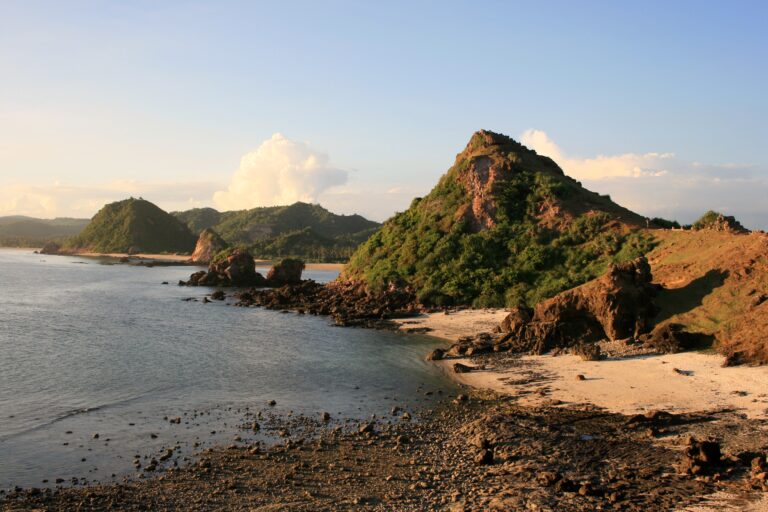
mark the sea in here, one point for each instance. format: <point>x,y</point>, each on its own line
<point>102,364</point>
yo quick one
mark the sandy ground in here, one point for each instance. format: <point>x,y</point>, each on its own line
<point>628,385</point>
<point>144,256</point>
<point>451,327</point>
<point>183,258</point>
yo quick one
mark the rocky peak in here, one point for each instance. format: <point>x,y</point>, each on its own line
<point>208,244</point>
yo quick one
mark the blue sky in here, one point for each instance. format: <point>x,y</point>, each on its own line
<point>100,100</point>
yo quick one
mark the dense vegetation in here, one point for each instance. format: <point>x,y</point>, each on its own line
<point>134,225</point>
<point>545,234</point>
<point>301,230</point>
<point>21,231</point>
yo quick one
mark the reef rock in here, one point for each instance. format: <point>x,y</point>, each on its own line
<point>287,271</point>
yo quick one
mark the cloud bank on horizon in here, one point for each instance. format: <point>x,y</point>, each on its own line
<point>281,171</point>
<point>663,185</point>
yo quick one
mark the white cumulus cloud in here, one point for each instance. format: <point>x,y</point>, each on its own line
<point>661,184</point>
<point>601,166</point>
<point>280,171</point>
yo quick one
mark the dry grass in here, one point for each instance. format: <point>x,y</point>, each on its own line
<point>716,283</point>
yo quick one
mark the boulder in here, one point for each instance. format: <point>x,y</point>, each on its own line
<point>615,306</point>
<point>671,338</point>
<point>287,271</point>
<point>209,243</point>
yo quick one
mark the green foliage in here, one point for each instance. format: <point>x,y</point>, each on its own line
<point>134,224</point>
<point>664,223</point>
<point>707,220</point>
<point>520,259</point>
<point>301,230</point>
<point>21,231</point>
<point>198,219</point>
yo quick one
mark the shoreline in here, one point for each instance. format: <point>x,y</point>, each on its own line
<point>491,450</point>
<point>625,385</point>
<point>170,258</point>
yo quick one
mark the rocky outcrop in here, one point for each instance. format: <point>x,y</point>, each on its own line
<point>287,271</point>
<point>715,221</point>
<point>209,243</point>
<point>671,338</point>
<point>349,303</point>
<point>617,305</point>
<point>51,248</point>
<point>234,269</point>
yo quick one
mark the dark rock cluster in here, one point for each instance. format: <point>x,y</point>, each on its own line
<point>348,303</point>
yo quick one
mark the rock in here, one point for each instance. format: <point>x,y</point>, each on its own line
<point>436,354</point>
<point>209,243</point>
<point>218,295</point>
<point>50,248</point>
<point>287,271</point>
<point>484,457</point>
<point>365,428</point>
<point>701,457</point>
<point>462,368</point>
<point>271,403</point>
<point>588,351</point>
<point>580,377</point>
<point>672,338</point>
<point>617,305</point>
<point>516,319</point>
<point>325,417</point>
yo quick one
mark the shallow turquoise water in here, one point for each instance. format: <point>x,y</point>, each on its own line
<point>91,348</point>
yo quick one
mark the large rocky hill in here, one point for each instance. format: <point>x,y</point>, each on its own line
<point>504,226</point>
<point>133,225</point>
<point>300,229</point>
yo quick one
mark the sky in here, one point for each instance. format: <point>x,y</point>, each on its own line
<point>361,106</point>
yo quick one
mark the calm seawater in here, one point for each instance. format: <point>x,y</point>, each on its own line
<point>88,348</point>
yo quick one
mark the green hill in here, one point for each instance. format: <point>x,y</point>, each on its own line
<point>21,231</point>
<point>303,230</point>
<point>504,226</point>
<point>133,225</point>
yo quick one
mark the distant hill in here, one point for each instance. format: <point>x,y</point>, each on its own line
<point>133,225</point>
<point>302,230</point>
<point>22,231</point>
<point>504,226</point>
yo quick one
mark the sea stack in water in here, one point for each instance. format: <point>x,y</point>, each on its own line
<point>287,271</point>
<point>231,267</point>
<point>209,243</point>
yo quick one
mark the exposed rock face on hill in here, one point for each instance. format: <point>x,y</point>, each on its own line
<point>618,305</point>
<point>287,271</point>
<point>133,225</point>
<point>504,226</point>
<point>208,244</point>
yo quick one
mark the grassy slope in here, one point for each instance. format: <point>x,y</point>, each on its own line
<point>22,231</point>
<point>713,284</point>
<point>301,230</point>
<point>548,233</point>
<point>134,223</point>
